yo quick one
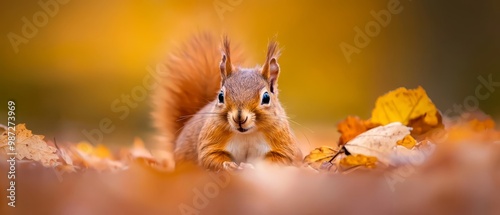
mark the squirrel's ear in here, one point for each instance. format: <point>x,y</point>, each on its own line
<point>271,68</point>
<point>226,68</point>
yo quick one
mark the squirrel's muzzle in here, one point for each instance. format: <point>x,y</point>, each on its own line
<point>241,120</point>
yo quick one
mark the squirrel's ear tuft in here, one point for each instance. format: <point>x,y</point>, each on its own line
<point>271,68</point>
<point>226,68</point>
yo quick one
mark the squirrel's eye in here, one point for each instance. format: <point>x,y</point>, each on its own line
<point>266,98</point>
<point>221,97</point>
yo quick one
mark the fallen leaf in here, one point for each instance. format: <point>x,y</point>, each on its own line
<point>359,160</point>
<point>319,155</point>
<point>139,153</point>
<point>85,147</point>
<point>139,150</point>
<point>98,158</point>
<point>351,127</point>
<point>100,150</point>
<point>67,166</point>
<point>421,129</point>
<point>65,156</point>
<point>415,156</point>
<point>409,142</point>
<point>410,107</point>
<point>378,142</point>
<point>31,147</point>
<point>481,125</point>
<point>477,130</point>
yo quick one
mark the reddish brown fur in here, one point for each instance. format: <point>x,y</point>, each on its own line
<point>196,80</point>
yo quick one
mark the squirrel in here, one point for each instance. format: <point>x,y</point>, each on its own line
<point>222,116</point>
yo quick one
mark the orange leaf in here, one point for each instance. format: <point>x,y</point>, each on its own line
<point>102,151</point>
<point>474,129</point>
<point>481,125</point>
<point>409,142</point>
<point>351,127</point>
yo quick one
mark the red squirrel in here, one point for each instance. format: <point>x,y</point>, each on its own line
<point>220,115</point>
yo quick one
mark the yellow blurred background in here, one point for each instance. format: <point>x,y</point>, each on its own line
<point>90,53</point>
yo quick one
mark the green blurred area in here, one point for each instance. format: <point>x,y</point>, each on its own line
<point>90,53</point>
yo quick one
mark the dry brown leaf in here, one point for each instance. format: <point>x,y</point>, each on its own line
<point>32,147</point>
<point>65,156</point>
<point>421,128</point>
<point>139,150</point>
<point>67,166</point>
<point>98,158</point>
<point>139,153</point>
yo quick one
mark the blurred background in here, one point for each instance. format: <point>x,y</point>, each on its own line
<point>85,55</point>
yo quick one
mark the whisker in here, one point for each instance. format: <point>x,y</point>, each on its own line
<point>308,129</point>
<point>307,139</point>
<point>284,117</point>
<point>192,115</point>
<point>196,121</point>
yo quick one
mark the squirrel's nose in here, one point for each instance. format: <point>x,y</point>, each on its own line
<point>240,121</point>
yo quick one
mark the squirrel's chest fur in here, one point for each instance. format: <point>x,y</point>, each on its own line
<point>248,147</point>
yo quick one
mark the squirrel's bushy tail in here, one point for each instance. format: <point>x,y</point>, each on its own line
<point>192,80</point>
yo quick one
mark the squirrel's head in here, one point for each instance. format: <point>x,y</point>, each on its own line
<point>248,97</point>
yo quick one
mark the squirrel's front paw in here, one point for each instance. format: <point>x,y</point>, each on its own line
<point>230,166</point>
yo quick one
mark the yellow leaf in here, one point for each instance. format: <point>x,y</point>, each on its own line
<point>99,151</point>
<point>410,107</point>
<point>319,155</point>
<point>409,142</point>
<point>102,151</point>
<point>85,147</point>
<point>359,160</point>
